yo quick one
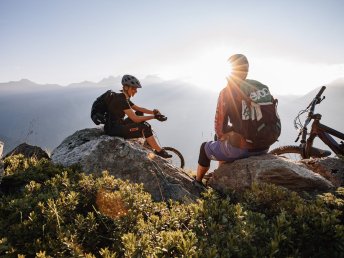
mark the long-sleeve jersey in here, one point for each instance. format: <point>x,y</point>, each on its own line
<point>222,113</point>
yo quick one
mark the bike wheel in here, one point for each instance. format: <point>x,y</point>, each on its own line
<point>290,151</point>
<point>177,158</point>
<point>295,152</point>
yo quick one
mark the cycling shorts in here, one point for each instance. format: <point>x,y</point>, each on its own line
<point>224,151</point>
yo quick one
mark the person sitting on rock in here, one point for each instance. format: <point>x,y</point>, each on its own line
<point>228,145</point>
<point>136,126</point>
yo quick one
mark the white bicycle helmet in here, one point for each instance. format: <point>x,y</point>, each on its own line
<point>131,81</point>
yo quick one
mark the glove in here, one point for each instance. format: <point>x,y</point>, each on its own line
<point>161,118</point>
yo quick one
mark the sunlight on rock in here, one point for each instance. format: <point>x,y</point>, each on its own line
<point>151,155</point>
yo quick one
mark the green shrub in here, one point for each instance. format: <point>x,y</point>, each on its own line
<point>51,211</point>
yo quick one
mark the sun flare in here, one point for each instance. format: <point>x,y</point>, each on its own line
<point>209,69</point>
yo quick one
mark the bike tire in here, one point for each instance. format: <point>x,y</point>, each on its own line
<point>295,152</point>
<point>289,151</point>
<point>177,158</point>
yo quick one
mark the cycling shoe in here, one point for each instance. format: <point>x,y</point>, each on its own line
<point>163,154</point>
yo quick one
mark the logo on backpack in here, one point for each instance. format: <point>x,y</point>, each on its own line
<point>259,122</point>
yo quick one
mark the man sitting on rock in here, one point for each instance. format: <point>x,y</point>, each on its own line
<point>232,106</point>
<point>136,126</point>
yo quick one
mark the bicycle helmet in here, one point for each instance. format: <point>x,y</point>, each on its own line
<point>130,81</point>
<point>239,62</point>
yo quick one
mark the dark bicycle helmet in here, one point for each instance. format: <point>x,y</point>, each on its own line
<point>131,81</point>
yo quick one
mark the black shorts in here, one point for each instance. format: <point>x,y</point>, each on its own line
<point>129,130</point>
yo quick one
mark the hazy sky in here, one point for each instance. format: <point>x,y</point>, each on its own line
<point>293,46</point>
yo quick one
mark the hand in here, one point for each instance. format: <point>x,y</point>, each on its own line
<point>160,117</point>
<point>156,112</point>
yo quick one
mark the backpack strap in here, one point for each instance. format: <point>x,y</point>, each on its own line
<point>233,98</point>
<point>242,94</point>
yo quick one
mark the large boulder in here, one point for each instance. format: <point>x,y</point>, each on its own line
<point>127,160</point>
<point>268,168</point>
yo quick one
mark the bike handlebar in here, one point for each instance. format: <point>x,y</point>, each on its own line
<point>317,98</point>
<point>320,92</point>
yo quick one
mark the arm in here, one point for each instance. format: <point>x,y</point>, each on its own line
<point>221,116</point>
<point>137,119</point>
<point>145,110</point>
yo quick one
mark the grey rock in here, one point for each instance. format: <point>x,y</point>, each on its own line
<point>240,175</point>
<point>330,168</point>
<point>127,160</point>
<point>1,148</point>
<point>28,151</point>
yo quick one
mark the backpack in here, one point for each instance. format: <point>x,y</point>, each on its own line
<point>256,118</point>
<point>99,111</point>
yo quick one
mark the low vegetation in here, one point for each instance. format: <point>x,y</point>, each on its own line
<point>51,211</point>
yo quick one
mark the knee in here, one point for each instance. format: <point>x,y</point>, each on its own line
<point>147,130</point>
<point>203,159</point>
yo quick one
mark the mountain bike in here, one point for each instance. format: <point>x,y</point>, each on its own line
<point>306,150</point>
<point>177,158</point>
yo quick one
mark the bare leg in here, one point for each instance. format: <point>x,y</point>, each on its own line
<point>201,171</point>
<point>152,142</point>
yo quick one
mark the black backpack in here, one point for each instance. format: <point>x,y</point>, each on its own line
<point>256,118</point>
<point>99,111</point>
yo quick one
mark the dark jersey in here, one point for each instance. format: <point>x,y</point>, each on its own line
<point>117,105</point>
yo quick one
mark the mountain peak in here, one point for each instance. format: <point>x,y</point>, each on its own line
<point>26,81</point>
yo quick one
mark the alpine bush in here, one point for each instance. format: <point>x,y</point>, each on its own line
<point>48,210</point>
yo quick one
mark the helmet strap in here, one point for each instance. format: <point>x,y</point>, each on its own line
<point>125,91</point>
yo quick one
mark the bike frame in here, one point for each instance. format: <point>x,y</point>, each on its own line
<point>324,133</point>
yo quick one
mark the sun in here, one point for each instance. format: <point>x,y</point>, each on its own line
<point>208,68</point>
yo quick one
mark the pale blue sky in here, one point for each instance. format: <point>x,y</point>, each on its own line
<point>63,41</point>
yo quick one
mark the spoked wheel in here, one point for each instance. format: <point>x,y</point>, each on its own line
<point>177,158</point>
<point>290,151</point>
<point>295,152</point>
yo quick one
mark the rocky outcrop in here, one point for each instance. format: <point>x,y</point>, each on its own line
<point>330,168</point>
<point>28,151</point>
<point>127,160</point>
<point>240,175</point>
<point>1,148</point>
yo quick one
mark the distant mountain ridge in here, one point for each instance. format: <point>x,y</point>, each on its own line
<point>44,115</point>
<point>110,81</point>
<point>29,86</point>
<point>25,85</point>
